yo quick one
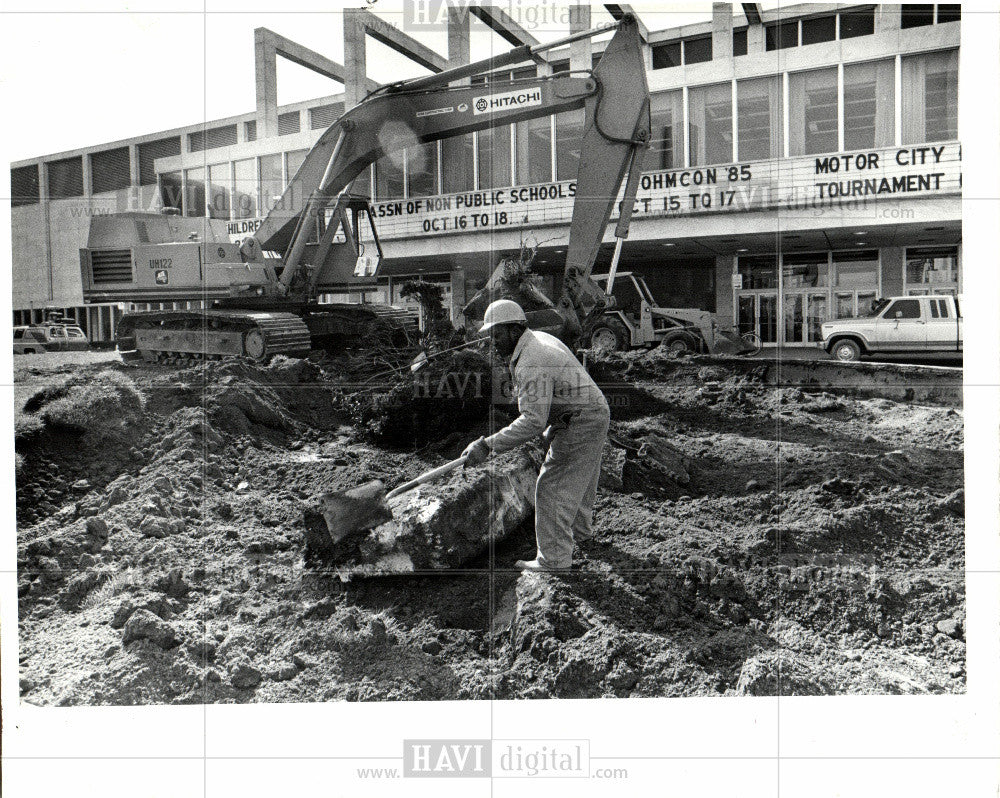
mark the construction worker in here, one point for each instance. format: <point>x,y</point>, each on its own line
<point>558,400</point>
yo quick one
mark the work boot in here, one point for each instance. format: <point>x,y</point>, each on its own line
<point>535,565</point>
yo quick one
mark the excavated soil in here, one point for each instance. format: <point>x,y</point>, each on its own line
<point>751,540</point>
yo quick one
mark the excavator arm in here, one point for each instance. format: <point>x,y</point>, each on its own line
<point>615,97</point>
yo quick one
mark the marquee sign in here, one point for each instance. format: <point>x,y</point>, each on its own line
<point>843,179</point>
<point>792,184</point>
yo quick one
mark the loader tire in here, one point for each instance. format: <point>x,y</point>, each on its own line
<point>680,343</point>
<point>610,335</point>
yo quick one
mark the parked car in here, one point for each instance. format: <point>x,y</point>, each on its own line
<point>898,325</point>
<point>49,338</point>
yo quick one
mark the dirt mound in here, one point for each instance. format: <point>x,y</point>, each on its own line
<point>750,540</point>
<point>72,435</point>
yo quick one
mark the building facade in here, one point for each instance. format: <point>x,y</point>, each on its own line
<point>804,161</point>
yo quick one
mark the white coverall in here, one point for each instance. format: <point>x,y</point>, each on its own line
<point>549,383</point>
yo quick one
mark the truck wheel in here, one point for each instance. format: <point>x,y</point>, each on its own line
<point>679,343</point>
<point>610,335</point>
<point>846,350</point>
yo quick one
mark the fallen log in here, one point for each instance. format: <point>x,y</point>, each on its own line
<point>435,527</point>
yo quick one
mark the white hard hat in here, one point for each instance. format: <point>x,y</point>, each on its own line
<point>503,311</point>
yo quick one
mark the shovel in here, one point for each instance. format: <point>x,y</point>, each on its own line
<point>365,507</point>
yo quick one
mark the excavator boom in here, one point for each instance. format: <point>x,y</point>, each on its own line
<point>615,97</point>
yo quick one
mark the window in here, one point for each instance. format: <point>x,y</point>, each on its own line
<point>666,142</point>
<point>857,23</point>
<point>812,112</point>
<point>569,133</point>
<point>805,270</point>
<point>24,185</point>
<point>856,269</point>
<point>421,169</point>
<point>697,51</point>
<point>457,164</point>
<point>534,151</point>
<point>932,267</point>
<point>758,118</point>
<point>389,177</point>
<point>66,178</point>
<point>218,191</point>
<point>869,97</point>
<point>930,97</point>
<point>819,29</point>
<point>710,117</point>
<point>110,170</point>
<point>289,123</point>
<point>667,55</point>
<point>949,12</point>
<point>914,15</point>
<point>212,138</point>
<point>271,182</point>
<point>171,190</point>
<point>494,157</point>
<point>194,198</point>
<point>560,66</point>
<point>903,309</point>
<point>245,191</point>
<point>322,116</point>
<point>740,41</point>
<point>758,271</point>
<point>149,151</point>
<point>73,332</point>
<point>780,35</point>
<point>295,161</point>
<point>250,130</point>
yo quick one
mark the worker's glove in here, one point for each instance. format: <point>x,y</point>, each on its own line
<point>476,453</point>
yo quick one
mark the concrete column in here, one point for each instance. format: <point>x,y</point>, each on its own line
<point>892,271</point>
<point>887,17</point>
<point>725,268</point>
<point>43,185</point>
<point>88,177</point>
<point>457,295</point>
<point>266,74</point>
<point>459,48</point>
<point>355,59</point>
<point>134,202</point>
<point>722,30</point>
<point>581,52</point>
<point>755,39</point>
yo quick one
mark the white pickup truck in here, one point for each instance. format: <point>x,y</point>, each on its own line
<point>898,325</point>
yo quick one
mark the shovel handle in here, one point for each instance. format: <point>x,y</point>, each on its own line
<point>427,476</point>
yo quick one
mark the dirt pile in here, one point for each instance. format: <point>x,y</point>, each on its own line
<point>757,540</point>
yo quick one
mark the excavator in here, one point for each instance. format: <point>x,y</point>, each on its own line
<point>264,291</point>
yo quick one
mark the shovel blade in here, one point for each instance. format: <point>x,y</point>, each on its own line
<point>356,510</point>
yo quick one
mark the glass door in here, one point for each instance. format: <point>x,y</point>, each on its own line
<point>817,311</point>
<point>793,332</point>
<point>746,315</point>
<point>767,317</point>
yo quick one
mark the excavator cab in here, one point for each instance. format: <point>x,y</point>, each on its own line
<point>347,252</point>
